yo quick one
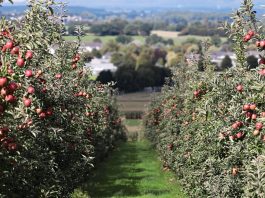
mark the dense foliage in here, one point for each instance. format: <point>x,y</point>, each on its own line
<point>138,67</point>
<point>208,127</point>
<point>54,123</point>
<point>119,27</point>
<point>203,29</point>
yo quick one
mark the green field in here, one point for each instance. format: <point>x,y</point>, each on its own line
<point>177,39</point>
<point>104,39</point>
<point>133,170</point>
<point>133,123</point>
<point>180,39</point>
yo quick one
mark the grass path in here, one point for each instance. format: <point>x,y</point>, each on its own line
<point>133,170</point>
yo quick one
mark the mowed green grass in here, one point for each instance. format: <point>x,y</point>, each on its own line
<point>133,122</point>
<point>133,170</point>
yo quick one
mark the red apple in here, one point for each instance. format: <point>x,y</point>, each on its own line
<point>248,114</point>
<point>12,87</point>
<point>9,45</point>
<point>246,107</point>
<point>3,131</point>
<point>15,51</point>
<point>77,57</point>
<point>80,93</point>
<point>3,49</point>
<point>258,43</point>
<point>39,73</point>
<point>74,66</point>
<point>4,91</point>
<point>246,38</point>
<point>28,73</point>
<point>262,61</point>
<point>10,71</point>
<point>235,126</point>
<point>259,125</point>
<point>10,98</point>
<point>232,137</point>
<point>12,146</point>
<point>196,93</point>
<point>44,90</point>
<point>20,62</point>
<point>251,33</point>
<point>234,171</point>
<point>262,43</point>
<point>239,135</point>
<point>29,54</point>
<point>29,122</point>
<point>239,123</point>
<point>262,72</point>
<point>42,115</point>
<point>38,111</point>
<point>254,116</point>
<point>27,102</point>
<point>262,114</point>
<point>252,107</point>
<point>58,76</point>
<point>31,90</point>
<point>3,81</point>
<point>170,147</point>
<point>239,88</point>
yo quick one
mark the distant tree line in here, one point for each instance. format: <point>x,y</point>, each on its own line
<point>203,29</point>
<point>138,67</point>
<point>130,80</point>
<point>144,27</point>
<point>119,26</point>
<point>154,39</point>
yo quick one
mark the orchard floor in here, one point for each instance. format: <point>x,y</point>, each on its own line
<point>132,170</point>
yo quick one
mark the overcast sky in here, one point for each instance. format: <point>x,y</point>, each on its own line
<point>157,3</point>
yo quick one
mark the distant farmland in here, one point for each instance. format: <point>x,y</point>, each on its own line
<point>165,34</point>
<point>135,101</point>
<point>104,39</point>
<point>180,39</point>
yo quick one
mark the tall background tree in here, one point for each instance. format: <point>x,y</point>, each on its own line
<point>226,62</point>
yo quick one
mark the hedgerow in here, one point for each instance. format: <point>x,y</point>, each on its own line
<point>55,124</point>
<point>208,126</point>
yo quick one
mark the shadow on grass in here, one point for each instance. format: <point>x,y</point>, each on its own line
<point>120,174</point>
